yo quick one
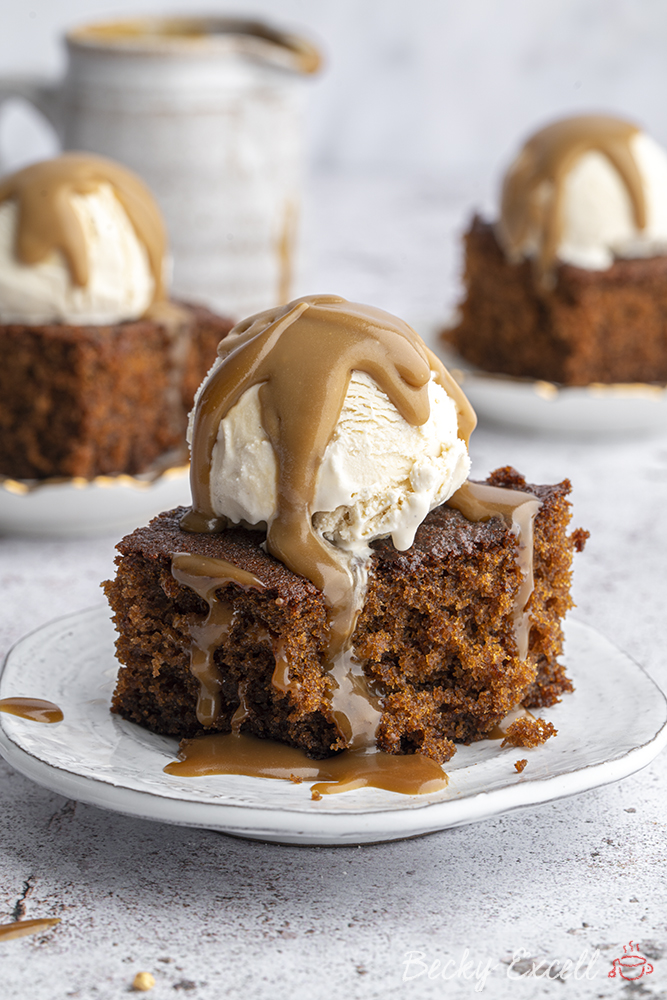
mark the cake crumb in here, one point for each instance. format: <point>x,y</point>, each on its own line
<point>528,733</point>
<point>316,796</point>
<point>520,764</point>
<point>143,981</point>
<point>579,538</point>
<point>295,778</point>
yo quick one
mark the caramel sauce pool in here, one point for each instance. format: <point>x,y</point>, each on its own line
<point>34,709</point>
<point>239,753</point>
<point>22,928</point>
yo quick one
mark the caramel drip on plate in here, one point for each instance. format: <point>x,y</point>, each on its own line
<point>479,502</point>
<point>21,928</point>
<point>206,576</point>
<point>34,709</point>
<point>231,753</point>
<point>533,190</point>
<point>47,220</point>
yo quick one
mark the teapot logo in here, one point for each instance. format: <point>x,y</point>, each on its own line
<point>631,964</point>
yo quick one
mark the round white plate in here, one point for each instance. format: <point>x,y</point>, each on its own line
<point>72,507</point>
<point>613,725</point>
<point>574,411</point>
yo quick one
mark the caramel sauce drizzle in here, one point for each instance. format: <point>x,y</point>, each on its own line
<point>533,189</point>
<point>281,679</point>
<point>239,753</point>
<point>302,355</point>
<point>206,576</point>
<point>34,709</point>
<point>479,502</point>
<point>47,220</point>
<point>21,928</point>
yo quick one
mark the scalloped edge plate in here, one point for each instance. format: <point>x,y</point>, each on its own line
<point>614,724</point>
<point>545,407</point>
<point>70,508</point>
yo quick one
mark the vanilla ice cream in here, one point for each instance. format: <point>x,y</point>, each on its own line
<point>574,191</point>
<point>379,476</point>
<point>90,226</point>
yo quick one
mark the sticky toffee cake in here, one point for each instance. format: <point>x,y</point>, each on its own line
<point>98,368</point>
<point>591,326</point>
<point>437,636</point>
<point>569,285</point>
<point>386,632</point>
<point>97,400</point>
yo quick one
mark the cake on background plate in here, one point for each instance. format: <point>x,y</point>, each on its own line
<point>570,284</point>
<point>98,369</point>
<point>339,583</point>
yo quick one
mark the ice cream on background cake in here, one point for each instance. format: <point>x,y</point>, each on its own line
<point>367,597</point>
<point>568,284</point>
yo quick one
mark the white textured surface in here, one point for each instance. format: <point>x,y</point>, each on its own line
<point>235,918</point>
<point>427,84</point>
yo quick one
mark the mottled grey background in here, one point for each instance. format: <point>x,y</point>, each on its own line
<point>428,84</point>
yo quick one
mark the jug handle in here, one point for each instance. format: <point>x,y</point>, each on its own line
<point>38,91</point>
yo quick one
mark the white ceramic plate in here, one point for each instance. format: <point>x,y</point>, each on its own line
<point>72,507</point>
<point>573,411</point>
<point>613,725</point>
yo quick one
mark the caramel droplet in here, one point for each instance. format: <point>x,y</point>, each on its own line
<point>34,709</point>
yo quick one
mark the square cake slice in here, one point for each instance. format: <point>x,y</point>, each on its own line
<point>592,326</point>
<point>436,636</point>
<point>98,400</point>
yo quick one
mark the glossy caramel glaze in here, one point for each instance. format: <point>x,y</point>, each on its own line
<point>533,189</point>
<point>238,753</point>
<point>34,709</point>
<point>206,576</point>
<point>22,928</point>
<point>47,220</point>
<point>303,355</point>
<point>479,502</point>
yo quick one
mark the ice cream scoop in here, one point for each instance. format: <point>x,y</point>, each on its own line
<point>583,191</point>
<point>380,471</point>
<point>81,242</point>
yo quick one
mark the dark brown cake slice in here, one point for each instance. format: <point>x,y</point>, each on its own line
<point>92,400</point>
<point>436,634</point>
<point>592,326</point>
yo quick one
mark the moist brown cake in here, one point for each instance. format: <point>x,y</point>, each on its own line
<point>592,326</point>
<point>436,633</point>
<point>92,400</point>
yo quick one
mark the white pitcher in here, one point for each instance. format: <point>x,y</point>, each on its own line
<point>208,111</point>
